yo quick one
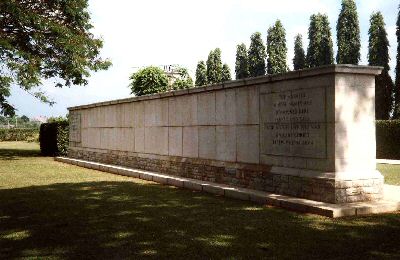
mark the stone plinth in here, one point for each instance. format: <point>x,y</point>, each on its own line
<point>308,134</point>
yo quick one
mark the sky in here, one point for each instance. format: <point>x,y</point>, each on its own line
<point>159,32</point>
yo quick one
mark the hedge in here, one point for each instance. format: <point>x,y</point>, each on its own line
<point>53,138</point>
<point>19,134</point>
<point>388,139</point>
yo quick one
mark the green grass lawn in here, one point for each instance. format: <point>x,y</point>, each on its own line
<point>54,210</point>
<point>391,173</point>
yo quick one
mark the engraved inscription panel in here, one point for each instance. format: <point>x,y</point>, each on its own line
<point>293,123</point>
<point>75,127</point>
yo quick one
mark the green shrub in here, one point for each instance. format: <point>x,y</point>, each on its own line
<point>388,139</point>
<point>53,138</point>
<point>18,134</point>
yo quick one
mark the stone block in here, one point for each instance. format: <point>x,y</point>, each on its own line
<point>247,99</point>
<point>156,140</point>
<point>176,182</point>
<point>206,108</point>
<point>226,107</point>
<point>247,143</point>
<point>192,185</point>
<point>207,142</point>
<point>213,189</point>
<point>175,136</point>
<point>190,145</point>
<point>226,143</point>
<point>156,112</point>
<point>139,139</point>
<point>138,114</point>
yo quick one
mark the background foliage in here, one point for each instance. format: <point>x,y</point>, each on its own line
<point>19,134</point>
<point>45,39</point>
<point>387,139</point>
<point>148,80</point>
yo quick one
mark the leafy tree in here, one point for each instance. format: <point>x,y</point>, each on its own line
<point>378,55</point>
<point>148,80</point>
<point>25,119</point>
<point>320,47</point>
<point>256,55</point>
<point>242,62</point>
<point>183,81</point>
<point>299,60</point>
<point>43,40</point>
<point>396,112</point>
<point>201,74</point>
<point>348,34</point>
<point>214,66</point>
<point>276,49</point>
<point>226,73</point>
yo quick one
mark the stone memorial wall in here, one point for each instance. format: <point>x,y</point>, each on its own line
<point>309,133</point>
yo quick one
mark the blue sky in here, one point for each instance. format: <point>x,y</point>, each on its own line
<point>157,32</point>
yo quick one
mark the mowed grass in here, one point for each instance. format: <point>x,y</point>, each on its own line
<point>391,173</point>
<point>51,210</point>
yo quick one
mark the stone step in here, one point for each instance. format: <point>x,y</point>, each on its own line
<point>265,198</point>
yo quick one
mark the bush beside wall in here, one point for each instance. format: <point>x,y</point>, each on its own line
<point>388,139</point>
<point>19,134</point>
<point>53,138</point>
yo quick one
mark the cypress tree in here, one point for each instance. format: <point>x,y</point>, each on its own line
<point>396,112</point>
<point>226,73</point>
<point>201,74</point>
<point>320,48</point>
<point>256,56</point>
<point>214,66</point>
<point>276,49</point>
<point>378,55</point>
<point>348,34</point>
<point>299,60</point>
<point>242,62</point>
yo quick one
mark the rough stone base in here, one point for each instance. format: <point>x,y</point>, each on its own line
<point>256,177</point>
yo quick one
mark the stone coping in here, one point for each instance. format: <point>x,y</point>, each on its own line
<point>390,203</point>
<point>328,69</point>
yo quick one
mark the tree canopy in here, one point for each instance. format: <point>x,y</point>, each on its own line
<point>320,47</point>
<point>183,80</point>
<point>299,60</point>
<point>148,80</point>
<point>226,73</point>
<point>348,34</point>
<point>42,40</point>
<point>396,112</point>
<point>242,62</point>
<point>214,66</point>
<point>256,55</point>
<point>201,74</point>
<point>276,49</point>
<point>378,55</point>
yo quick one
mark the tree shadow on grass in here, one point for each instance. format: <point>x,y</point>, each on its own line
<point>103,220</point>
<point>13,154</point>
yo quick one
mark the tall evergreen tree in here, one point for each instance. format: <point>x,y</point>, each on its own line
<point>214,66</point>
<point>256,56</point>
<point>201,74</point>
<point>242,62</point>
<point>378,55</point>
<point>348,34</point>
<point>299,60</point>
<point>226,73</point>
<point>276,49</point>
<point>320,48</point>
<point>396,112</point>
